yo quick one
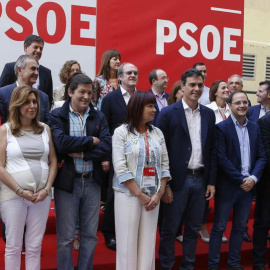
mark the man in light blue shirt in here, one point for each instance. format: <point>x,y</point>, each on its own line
<point>241,160</point>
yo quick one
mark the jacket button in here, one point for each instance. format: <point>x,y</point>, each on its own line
<point>187,161</point>
<point>189,148</point>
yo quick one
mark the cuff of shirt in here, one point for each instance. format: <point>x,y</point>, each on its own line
<point>254,178</point>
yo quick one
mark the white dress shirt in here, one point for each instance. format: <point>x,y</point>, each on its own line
<point>125,94</point>
<point>262,111</point>
<point>194,126</point>
<point>213,105</point>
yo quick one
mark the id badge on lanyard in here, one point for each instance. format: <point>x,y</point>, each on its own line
<point>149,177</point>
<point>149,173</point>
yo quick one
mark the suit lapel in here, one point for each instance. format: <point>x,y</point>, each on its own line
<point>234,136</point>
<point>258,112</point>
<point>41,79</point>
<point>204,125</point>
<point>182,116</point>
<point>252,138</point>
<point>156,105</point>
<point>120,99</point>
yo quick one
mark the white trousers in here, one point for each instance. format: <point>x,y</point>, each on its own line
<point>135,233</point>
<point>16,214</point>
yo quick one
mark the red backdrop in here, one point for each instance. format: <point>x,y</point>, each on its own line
<point>214,37</point>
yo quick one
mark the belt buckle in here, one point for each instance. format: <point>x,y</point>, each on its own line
<point>83,175</point>
<point>195,171</point>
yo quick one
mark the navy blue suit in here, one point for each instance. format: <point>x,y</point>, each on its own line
<point>229,194</point>
<point>8,77</point>
<point>188,189</point>
<point>5,96</point>
<point>114,107</point>
<point>254,113</point>
<point>157,108</point>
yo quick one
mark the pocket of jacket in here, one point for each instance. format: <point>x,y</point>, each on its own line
<point>128,148</point>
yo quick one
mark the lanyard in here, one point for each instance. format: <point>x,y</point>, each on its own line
<point>147,146</point>
<point>157,98</point>
<point>222,114</point>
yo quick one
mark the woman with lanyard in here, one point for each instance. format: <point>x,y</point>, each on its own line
<point>218,94</point>
<point>141,167</point>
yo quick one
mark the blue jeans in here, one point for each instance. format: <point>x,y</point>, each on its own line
<point>229,198</point>
<point>191,201</point>
<point>82,203</point>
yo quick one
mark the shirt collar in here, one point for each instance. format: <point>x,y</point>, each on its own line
<point>154,92</point>
<point>124,92</point>
<point>186,107</point>
<point>215,106</point>
<point>237,123</point>
<point>72,111</point>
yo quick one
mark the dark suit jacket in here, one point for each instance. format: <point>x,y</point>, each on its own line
<point>254,113</point>
<point>8,77</point>
<point>5,96</point>
<point>114,107</point>
<point>156,106</point>
<point>229,156</point>
<point>263,187</point>
<point>172,121</point>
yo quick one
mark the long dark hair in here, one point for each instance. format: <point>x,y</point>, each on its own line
<point>105,63</point>
<point>135,108</point>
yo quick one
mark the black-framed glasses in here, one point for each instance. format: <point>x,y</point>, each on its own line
<point>238,103</point>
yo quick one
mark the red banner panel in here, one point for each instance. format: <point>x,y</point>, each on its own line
<point>173,36</point>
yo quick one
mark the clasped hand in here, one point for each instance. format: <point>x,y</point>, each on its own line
<point>35,197</point>
<point>148,202</point>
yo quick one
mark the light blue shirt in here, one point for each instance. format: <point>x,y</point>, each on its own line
<point>243,138</point>
<point>161,101</point>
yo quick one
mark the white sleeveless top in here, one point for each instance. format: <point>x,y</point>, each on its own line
<point>26,161</point>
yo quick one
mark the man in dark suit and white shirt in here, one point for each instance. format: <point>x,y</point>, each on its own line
<point>189,131</point>
<point>241,160</point>
<point>263,98</point>
<point>114,107</point>
<point>159,81</point>
<point>27,73</point>
<point>33,45</point>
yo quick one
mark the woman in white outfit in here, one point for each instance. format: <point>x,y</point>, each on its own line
<point>218,94</point>
<point>141,168</point>
<point>28,166</point>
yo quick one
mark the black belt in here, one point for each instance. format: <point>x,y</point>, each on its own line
<point>83,175</point>
<point>195,171</point>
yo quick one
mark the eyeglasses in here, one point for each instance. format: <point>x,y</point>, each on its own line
<point>238,103</point>
<point>136,73</point>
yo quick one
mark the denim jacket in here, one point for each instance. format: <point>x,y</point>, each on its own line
<point>129,155</point>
